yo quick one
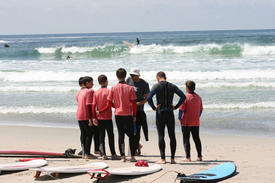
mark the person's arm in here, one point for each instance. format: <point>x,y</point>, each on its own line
<point>109,104</point>
<point>182,97</point>
<point>150,99</point>
<point>134,105</point>
<point>147,90</point>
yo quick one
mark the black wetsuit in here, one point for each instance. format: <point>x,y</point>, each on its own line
<point>194,130</point>
<point>164,92</point>
<point>141,89</point>
<point>108,126</point>
<point>86,135</point>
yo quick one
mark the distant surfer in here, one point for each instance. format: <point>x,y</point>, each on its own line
<point>137,41</point>
<point>68,57</point>
<point>6,45</point>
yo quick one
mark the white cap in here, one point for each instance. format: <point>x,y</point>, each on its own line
<point>134,71</point>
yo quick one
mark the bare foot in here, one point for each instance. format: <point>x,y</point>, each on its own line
<point>199,159</point>
<point>90,156</point>
<point>187,160</point>
<point>173,161</point>
<point>133,159</point>
<point>115,157</point>
<point>162,161</point>
<point>104,157</point>
<point>123,159</point>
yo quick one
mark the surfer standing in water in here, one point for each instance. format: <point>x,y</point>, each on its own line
<point>164,92</point>
<point>137,41</point>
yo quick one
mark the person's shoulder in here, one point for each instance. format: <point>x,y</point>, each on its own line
<point>143,81</point>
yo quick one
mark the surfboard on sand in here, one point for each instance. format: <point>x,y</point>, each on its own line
<point>130,45</point>
<point>130,171</point>
<point>55,171</point>
<point>18,166</point>
<point>69,153</point>
<point>215,174</point>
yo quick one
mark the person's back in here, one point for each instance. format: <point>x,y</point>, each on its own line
<point>165,93</point>
<point>81,97</point>
<point>192,107</point>
<point>123,95</point>
<point>100,99</point>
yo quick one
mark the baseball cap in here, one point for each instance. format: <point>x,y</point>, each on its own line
<point>134,71</point>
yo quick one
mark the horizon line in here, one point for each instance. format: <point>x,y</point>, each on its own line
<point>210,30</point>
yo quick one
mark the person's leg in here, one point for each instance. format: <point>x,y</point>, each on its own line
<point>137,135</point>
<point>160,128</point>
<point>186,142</point>
<point>121,145</point>
<point>96,139</point>
<point>196,137</point>
<point>82,136</point>
<point>111,138</point>
<point>170,122</point>
<point>144,125</point>
<point>89,131</point>
<point>129,130</point>
<point>101,130</point>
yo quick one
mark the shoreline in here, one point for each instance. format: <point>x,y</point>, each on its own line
<point>253,156</point>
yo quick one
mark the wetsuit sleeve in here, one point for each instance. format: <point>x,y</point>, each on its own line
<point>201,109</point>
<point>109,104</point>
<point>181,95</point>
<point>94,107</point>
<point>134,105</point>
<point>150,98</point>
<point>89,103</point>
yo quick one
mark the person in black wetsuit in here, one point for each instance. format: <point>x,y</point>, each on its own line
<point>137,41</point>
<point>141,88</point>
<point>164,92</point>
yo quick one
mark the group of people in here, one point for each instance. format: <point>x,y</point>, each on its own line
<point>128,97</point>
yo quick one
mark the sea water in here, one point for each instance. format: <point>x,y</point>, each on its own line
<point>234,72</point>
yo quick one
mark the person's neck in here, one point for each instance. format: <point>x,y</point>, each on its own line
<point>103,86</point>
<point>122,80</point>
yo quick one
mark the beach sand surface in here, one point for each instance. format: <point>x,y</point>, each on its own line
<point>254,156</point>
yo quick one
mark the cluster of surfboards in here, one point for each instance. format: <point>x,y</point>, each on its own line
<point>217,173</point>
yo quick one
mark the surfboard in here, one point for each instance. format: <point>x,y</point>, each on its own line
<point>130,45</point>
<point>17,166</point>
<point>69,153</point>
<point>216,173</point>
<point>69,169</point>
<point>152,168</point>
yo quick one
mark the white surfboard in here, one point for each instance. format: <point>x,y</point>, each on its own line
<point>152,168</point>
<point>130,45</point>
<point>69,169</point>
<point>17,166</point>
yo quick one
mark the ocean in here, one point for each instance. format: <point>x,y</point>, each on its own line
<point>234,72</point>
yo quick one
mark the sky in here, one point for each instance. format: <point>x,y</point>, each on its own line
<point>96,16</point>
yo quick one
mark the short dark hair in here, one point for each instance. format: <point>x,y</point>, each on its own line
<point>87,79</point>
<point>121,73</point>
<point>80,81</point>
<point>102,79</point>
<point>191,85</point>
<point>161,74</point>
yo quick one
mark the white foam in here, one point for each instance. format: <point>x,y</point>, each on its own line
<point>259,105</point>
<point>150,76</point>
<point>38,89</point>
<point>251,50</point>
<point>3,41</point>
<point>46,50</point>
<point>37,110</point>
<point>236,85</point>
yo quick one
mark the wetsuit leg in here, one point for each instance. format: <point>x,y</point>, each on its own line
<point>171,132</point>
<point>121,134</point>
<point>160,123</point>
<point>138,127</point>
<point>87,136</point>
<point>111,138</point>
<point>129,130</point>
<point>144,125</point>
<point>101,129</point>
<point>96,138</point>
<point>82,135</point>
<point>196,137</point>
<point>186,142</point>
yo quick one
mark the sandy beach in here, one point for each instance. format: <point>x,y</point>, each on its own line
<point>253,156</point>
